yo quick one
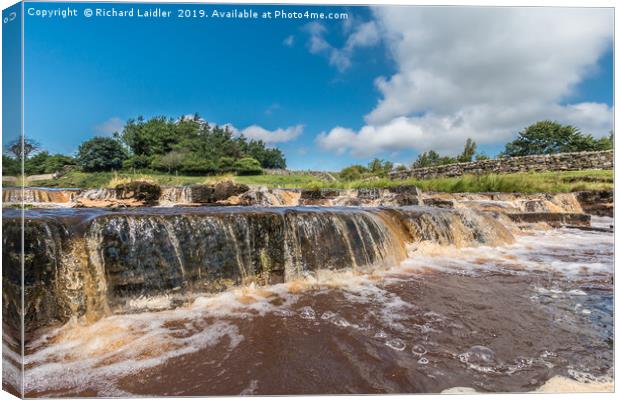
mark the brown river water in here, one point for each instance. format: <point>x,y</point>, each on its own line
<point>494,319</point>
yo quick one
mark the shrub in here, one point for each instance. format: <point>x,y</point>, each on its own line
<point>247,166</point>
<point>194,164</point>
<point>226,164</point>
<point>352,173</point>
<point>11,166</point>
<point>137,162</point>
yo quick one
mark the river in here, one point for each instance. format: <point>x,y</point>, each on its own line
<point>531,314</point>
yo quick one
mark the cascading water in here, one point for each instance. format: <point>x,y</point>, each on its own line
<point>175,195</point>
<point>16,195</point>
<point>86,263</point>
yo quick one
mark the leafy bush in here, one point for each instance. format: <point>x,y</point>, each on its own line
<point>46,163</point>
<point>248,166</point>
<point>100,154</point>
<point>353,172</point>
<point>226,164</point>
<point>137,162</point>
<point>193,164</point>
<point>11,166</point>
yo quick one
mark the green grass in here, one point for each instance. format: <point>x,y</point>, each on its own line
<point>549,182</point>
<point>76,179</point>
<point>552,182</point>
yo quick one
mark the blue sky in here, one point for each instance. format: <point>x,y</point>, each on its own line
<point>11,76</point>
<point>85,76</point>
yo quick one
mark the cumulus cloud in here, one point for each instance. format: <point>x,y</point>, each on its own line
<point>110,126</point>
<point>257,132</point>
<point>363,34</point>
<point>276,136</point>
<point>483,73</point>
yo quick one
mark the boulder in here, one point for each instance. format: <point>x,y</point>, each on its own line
<point>225,189</point>
<point>406,195</point>
<point>140,191</point>
<point>221,191</point>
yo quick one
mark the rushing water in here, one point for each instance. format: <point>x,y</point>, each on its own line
<point>451,314</point>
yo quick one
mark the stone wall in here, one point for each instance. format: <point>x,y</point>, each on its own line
<point>538,163</point>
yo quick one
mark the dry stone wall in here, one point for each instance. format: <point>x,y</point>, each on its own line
<point>537,163</point>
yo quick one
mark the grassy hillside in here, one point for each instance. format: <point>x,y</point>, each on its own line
<point>522,182</point>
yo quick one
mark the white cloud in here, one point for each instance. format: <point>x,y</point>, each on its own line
<point>276,136</point>
<point>289,41</point>
<point>483,73</point>
<point>363,35</point>
<point>256,132</point>
<point>110,126</point>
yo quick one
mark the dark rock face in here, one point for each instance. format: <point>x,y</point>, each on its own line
<point>145,192</point>
<point>320,194</point>
<point>597,202</point>
<point>406,195</point>
<point>553,219</point>
<point>201,193</point>
<point>206,194</point>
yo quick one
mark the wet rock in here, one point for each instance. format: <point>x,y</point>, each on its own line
<point>264,197</point>
<point>202,193</point>
<point>437,202</point>
<point>145,192</point>
<point>369,194</point>
<point>225,189</point>
<point>597,202</point>
<point>319,197</point>
<point>406,195</point>
<point>552,219</point>
<point>220,192</point>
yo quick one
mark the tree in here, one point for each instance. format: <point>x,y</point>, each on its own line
<point>248,166</point>
<point>426,159</point>
<point>100,154</point>
<point>549,137</point>
<point>29,147</point>
<point>193,164</point>
<point>468,152</point>
<point>380,167</point>
<point>159,136</point>
<point>11,166</point>
<point>170,162</point>
<point>46,163</point>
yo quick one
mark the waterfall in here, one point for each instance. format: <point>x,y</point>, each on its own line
<point>86,264</point>
<point>38,195</point>
<point>175,195</point>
